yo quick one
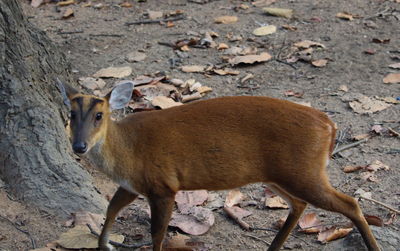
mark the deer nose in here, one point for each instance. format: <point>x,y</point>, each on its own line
<point>79,147</point>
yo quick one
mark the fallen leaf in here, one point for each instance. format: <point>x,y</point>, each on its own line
<point>350,169</point>
<point>193,68</point>
<point>226,19</point>
<point>279,12</point>
<point>65,3</point>
<point>395,66</point>
<point>333,234</point>
<point>113,72</point>
<point>392,78</point>
<point>391,219</point>
<point>370,51</point>
<point>343,88</point>
<point>239,213</point>
<point>170,24</point>
<point>234,197</point>
<point>250,59</point>
<point>307,44</point>
<point>226,71</point>
<point>319,63</point>
<point>135,56</point>
<point>204,89</point>
<point>197,222</point>
<point>279,223</point>
<point>36,3</point>
<point>264,30</point>
<point>291,93</point>
<point>381,41</point>
<point>361,136</point>
<point>80,237</point>
<point>222,46</point>
<point>309,223</point>
<point>289,27</point>
<point>68,13</point>
<point>247,77</point>
<point>345,15</point>
<point>126,5</point>
<point>191,97</point>
<point>364,104</point>
<point>84,217</point>
<point>276,202</point>
<point>92,83</point>
<point>177,241</point>
<point>377,129</point>
<point>369,176</point>
<point>164,102</point>
<point>154,14</point>
<point>361,193</point>
<point>188,199</point>
<point>261,3</point>
<point>373,220</point>
<point>376,165</point>
<point>308,104</point>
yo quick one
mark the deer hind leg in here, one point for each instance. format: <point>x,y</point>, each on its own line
<point>161,210</point>
<point>120,199</point>
<point>318,192</point>
<point>296,209</point>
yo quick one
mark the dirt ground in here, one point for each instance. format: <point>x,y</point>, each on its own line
<point>96,38</point>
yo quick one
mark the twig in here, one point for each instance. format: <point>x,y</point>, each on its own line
<point>21,230</point>
<point>256,238</point>
<point>105,35</point>
<point>150,21</point>
<point>395,133</point>
<point>230,213</point>
<point>384,12</point>
<point>286,63</point>
<point>382,204</point>
<point>118,244</point>
<point>345,147</point>
<point>69,32</point>
<point>276,231</point>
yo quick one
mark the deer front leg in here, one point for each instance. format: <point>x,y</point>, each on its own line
<point>120,199</point>
<point>161,210</point>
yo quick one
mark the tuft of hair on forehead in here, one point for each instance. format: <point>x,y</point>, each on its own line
<point>87,102</point>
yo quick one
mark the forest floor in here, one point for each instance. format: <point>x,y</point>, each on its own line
<point>342,74</point>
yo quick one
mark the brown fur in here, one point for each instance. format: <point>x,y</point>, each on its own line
<point>218,144</point>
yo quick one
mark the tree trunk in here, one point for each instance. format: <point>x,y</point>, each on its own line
<point>35,156</point>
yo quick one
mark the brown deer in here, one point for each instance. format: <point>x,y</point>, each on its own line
<point>214,144</point>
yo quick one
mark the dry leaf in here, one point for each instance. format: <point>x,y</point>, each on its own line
<point>204,89</point>
<point>369,176</point>
<point>36,3</point>
<point>80,237</point>
<point>276,202</point>
<point>164,102</point>
<point>289,27</point>
<point>333,234</point>
<point>345,15</point>
<point>198,221</point>
<point>92,83</point>
<point>154,14</point>
<point>343,88</point>
<point>239,213</point>
<point>226,71</point>
<point>350,169</point>
<point>222,46</point>
<point>309,223</point>
<point>377,129</point>
<point>370,51</point>
<point>291,93</point>
<point>307,44</point>
<point>234,197</point>
<point>250,59</point>
<point>361,136</point>
<point>319,62</point>
<point>364,104</point>
<point>308,104</point>
<point>247,77</point>
<point>68,13</point>
<point>376,165</point>
<point>264,30</point>
<point>188,199</point>
<point>191,97</point>
<point>126,5</point>
<point>113,72</point>
<point>193,68</point>
<point>373,220</point>
<point>177,242</point>
<point>381,40</point>
<point>135,57</point>
<point>361,193</point>
<point>392,78</point>
<point>65,3</point>
<point>226,19</point>
<point>279,12</point>
<point>395,66</point>
<point>261,3</point>
<point>84,217</point>
<point>392,217</point>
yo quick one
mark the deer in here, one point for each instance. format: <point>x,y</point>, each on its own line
<point>213,144</point>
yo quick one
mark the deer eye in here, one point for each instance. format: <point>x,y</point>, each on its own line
<point>99,116</point>
<point>73,115</point>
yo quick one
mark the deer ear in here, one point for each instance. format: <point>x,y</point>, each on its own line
<point>121,94</point>
<point>67,91</point>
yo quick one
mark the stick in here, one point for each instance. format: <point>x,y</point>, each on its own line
<point>256,238</point>
<point>105,35</point>
<point>395,133</point>
<point>345,147</point>
<point>382,204</point>
<point>276,231</point>
<point>68,32</point>
<point>181,17</point>
<point>117,244</point>
<point>21,230</point>
<point>230,213</point>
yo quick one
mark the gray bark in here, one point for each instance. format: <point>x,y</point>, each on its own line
<point>35,157</point>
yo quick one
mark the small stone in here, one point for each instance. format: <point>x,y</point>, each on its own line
<point>135,57</point>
